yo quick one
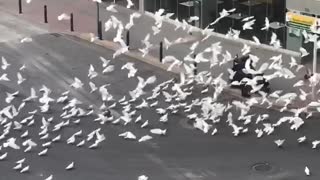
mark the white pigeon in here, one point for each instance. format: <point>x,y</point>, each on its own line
<point>274,39</point>
<point>81,143</point>
<point>247,19</point>
<point>32,96</point>
<point>18,166</point>
<point>11,96</point>
<point>214,132</point>
<point>26,39</point>
<point>5,64</point>
<point>22,67</point>
<point>164,118</point>
<point>11,142</point>
<point>71,140</point>
<point>303,52</point>
<point>128,135</point>
<point>4,77</point>
<point>299,83</point>
<point>302,139</point>
<point>193,18</point>
<point>129,4</point>
<point>3,156</point>
<point>63,16</point>
<point>132,17</point>
<point>279,142</point>
<point>21,161</point>
<point>105,62</point>
<point>93,87</point>
<point>256,40</point>
<point>130,66</point>
<point>155,30</point>
<point>92,73</point>
<point>57,138</point>
<point>145,124</point>
<point>111,8</point>
<point>49,177</point>
<point>20,78</point>
<point>315,144</point>
<point>246,49</point>
<point>248,25</point>
<point>108,69</point>
<point>143,177</point>
<point>307,171</point>
<point>167,43</point>
<point>77,83</point>
<point>43,152</point>
<point>70,166</point>
<point>266,25</point>
<point>158,131</point>
<point>139,118</point>
<point>25,169</point>
<point>145,138</point>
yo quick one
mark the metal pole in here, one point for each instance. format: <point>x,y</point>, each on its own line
<point>195,70</point>
<point>128,38</point>
<point>100,30</point>
<point>161,51</point>
<point>315,50</point>
<point>141,6</point>
<point>314,68</point>
<point>98,17</point>
<point>71,22</point>
<point>177,11</point>
<point>20,6</point>
<point>45,14</point>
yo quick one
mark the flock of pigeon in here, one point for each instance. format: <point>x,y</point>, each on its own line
<point>203,111</point>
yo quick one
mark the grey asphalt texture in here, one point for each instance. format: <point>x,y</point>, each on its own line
<point>184,153</point>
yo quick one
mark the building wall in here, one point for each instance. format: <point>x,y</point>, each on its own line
<point>309,6</point>
<point>209,12</point>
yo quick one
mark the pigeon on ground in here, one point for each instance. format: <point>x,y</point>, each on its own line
<point>70,166</point>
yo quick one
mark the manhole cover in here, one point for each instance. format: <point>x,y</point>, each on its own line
<point>262,167</point>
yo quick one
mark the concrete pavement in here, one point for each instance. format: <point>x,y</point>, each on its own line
<point>15,29</point>
<point>184,153</point>
<point>85,21</point>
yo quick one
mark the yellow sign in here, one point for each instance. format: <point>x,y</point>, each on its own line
<point>300,19</point>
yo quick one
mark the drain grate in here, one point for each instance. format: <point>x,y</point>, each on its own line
<point>262,167</point>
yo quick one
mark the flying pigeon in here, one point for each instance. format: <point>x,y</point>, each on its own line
<point>63,16</point>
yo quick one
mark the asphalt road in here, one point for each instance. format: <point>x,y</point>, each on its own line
<point>184,153</point>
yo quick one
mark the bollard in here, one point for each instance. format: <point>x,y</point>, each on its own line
<point>161,51</point>
<point>100,30</point>
<point>128,38</point>
<point>98,16</point>
<point>71,22</point>
<point>20,6</point>
<point>45,14</point>
<point>195,71</point>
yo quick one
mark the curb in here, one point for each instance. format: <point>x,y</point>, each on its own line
<point>176,70</point>
<point>133,54</point>
<point>238,41</point>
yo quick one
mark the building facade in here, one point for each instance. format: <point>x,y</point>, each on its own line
<point>301,17</point>
<point>287,30</point>
<point>208,11</point>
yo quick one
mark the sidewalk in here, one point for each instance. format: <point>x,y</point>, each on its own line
<point>85,21</point>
